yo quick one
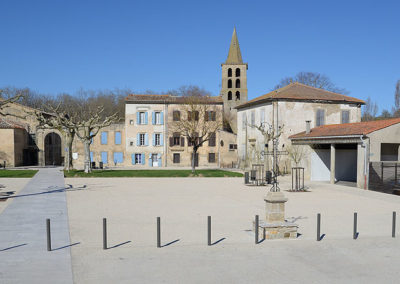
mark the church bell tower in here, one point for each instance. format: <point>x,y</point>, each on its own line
<point>234,81</point>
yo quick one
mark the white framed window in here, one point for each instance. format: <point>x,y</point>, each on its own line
<point>262,115</point>
<point>345,116</point>
<point>157,138</point>
<point>142,117</point>
<point>320,119</point>
<point>138,158</point>
<point>244,121</point>
<point>142,139</point>
<point>158,117</point>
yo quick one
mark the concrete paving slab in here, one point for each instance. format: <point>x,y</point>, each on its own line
<point>23,249</point>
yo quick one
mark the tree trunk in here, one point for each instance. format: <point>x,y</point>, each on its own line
<point>70,139</point>
<point>88,168</point>
<point>193,161</point>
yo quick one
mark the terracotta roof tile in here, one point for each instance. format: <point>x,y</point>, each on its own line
<point>300,92</point>
<point>162,99</point>
<point>7,124</point>
<point>345,129</point>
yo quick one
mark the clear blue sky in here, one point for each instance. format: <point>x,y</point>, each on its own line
<point>60,46</point>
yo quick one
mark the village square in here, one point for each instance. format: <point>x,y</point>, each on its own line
<point>297,183</point>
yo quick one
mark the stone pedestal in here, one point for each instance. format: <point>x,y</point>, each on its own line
<point>275,226</point>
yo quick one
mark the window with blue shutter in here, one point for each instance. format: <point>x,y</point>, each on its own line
<point>159,160</point>
<point>91,156</point>
<point>153,118</point>
<point>104,157</point>
<point>138,118</point>
<point>118,157</point>
<point>143,159</point>
<point>104,137</point>
<point>117,138</point>
<point>150,161</point>
<point>161,139</point>
<point>161,118</point>
<point>146,139</point>
<point>153,142</point>
<point>146,117</point>
<point>133,159</point>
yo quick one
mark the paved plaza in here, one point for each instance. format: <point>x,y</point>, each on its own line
<point>131,206</point>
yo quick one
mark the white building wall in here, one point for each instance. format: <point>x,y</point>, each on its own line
<point>292,116</point>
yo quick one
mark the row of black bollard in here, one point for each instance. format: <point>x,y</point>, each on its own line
<point>209,243</point>
<point>355,232</point>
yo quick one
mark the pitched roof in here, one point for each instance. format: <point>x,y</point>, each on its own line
<point>7,124</point>
<point>300,92</point>
<point>168,99</point>
<point>346,129</point>
<point>234,54</point>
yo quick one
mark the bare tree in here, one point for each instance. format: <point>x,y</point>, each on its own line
<point>297,153</point>
<point>60,121</point>
<point>312,79</point>
<point>200,124</point>
<point>6,100</point>
<point>396,109</point>
<point>370,110</point>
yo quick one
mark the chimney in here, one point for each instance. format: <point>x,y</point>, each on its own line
<point>308,123</point>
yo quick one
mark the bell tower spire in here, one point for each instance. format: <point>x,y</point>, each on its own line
<point>234,81</point>
<point>234,54</point>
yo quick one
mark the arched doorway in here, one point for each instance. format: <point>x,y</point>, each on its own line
<point>52,149</point>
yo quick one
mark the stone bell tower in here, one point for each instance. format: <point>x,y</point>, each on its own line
<point>234,81</point>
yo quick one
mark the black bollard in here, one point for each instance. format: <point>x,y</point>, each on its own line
<point>104,233</point>
<point>48,234</point>
<point>355,226</point>
<point>209,230</point>
<point>246,178</point>
<point>158,232</point>
<point>394,225</point>
<point>256,227</point>
<point>318,227</point>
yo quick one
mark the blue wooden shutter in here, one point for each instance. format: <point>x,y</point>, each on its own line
<point>104,137</point>
<point>161,117</point>
<point>161,139</point>
<point>104,157</point>
<point>117,138</point>
<point>138,139</point>
<point>143,159</point>
<point>133,159</point>
<point>159,160</point>
<point>118,157</point>
<point>146,139</point>
<point>150,161</point>
<point>91,139</point>
<point>146,118</point>
<point>91,156</point>
<point>154,140</point>
<point>153,118</point>
<point>138,118</point>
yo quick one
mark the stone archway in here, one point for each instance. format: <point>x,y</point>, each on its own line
<point>52,149</point>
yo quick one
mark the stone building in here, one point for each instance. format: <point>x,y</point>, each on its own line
<point>152,142</point>
<point>290,107</point>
